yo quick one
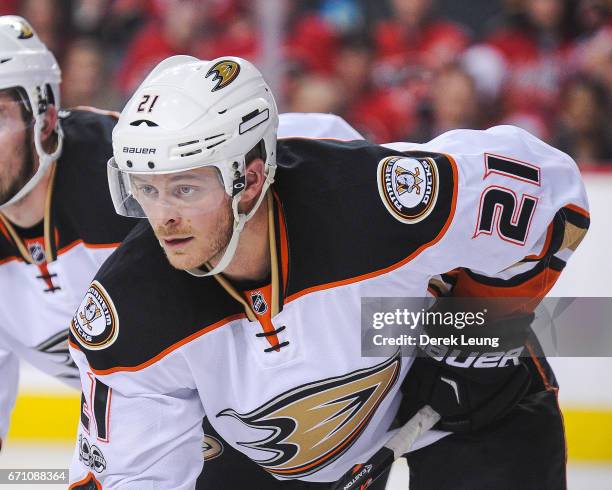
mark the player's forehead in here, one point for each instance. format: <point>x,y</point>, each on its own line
<point>196,175</point>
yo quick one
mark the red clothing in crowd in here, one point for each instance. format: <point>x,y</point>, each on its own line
<point>312,43</point>
<point>147,49</point>
<point>432,45</point>
<point>536,68</point>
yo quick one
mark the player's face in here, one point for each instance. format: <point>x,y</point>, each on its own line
<point>190,213</point>
<point>17,165</point>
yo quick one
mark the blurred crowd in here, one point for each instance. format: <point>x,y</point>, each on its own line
<point>395,69</point>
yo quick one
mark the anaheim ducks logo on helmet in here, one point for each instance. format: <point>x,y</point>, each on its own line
<point>23,29</point>
<point>225,72</point>
<point>313,425</point>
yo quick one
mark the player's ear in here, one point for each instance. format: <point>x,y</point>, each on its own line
<point>255,179</point>
<point>49,123</point>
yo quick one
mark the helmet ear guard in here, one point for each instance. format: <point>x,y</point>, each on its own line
<point>28,65</point>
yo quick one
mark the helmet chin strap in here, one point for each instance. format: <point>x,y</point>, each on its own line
<point>240,220</point>
<point>44,161</point>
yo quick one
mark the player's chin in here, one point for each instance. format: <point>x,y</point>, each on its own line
<point>184,259</point>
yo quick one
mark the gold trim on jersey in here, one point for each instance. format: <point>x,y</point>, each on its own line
<point>48,234</point>
<point>275,271</point>
<point>309,427</point>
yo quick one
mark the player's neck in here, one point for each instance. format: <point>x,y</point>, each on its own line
<point>30,210</point>
<point>251,261</point>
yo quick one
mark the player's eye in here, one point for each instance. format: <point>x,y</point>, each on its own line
<point>146,190</point>
<point>185,190</point>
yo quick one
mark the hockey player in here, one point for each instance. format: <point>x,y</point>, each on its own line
<point>57,221</point>
<point>239,297</point>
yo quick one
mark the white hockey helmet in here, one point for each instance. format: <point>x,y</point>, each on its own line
<point>26,64</point>
<point>187,114</point>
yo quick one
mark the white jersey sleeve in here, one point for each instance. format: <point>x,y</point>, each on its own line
<point>520,210</point>
<point>9,374</point>
<point>315,125</point>
<point>151,439</point>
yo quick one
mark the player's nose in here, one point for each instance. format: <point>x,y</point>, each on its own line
<point>166,215</point>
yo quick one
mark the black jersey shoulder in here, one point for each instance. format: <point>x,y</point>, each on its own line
<point>156,305</point>
<point>338,226</point>
<point>82,206</point>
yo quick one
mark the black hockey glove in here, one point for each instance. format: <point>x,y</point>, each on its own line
<point>470,386</point>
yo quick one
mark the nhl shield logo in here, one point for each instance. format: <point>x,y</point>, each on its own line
<point>95,324</point>
<point>258,301</point>
<point>408,187</point>
<point>37,252</point>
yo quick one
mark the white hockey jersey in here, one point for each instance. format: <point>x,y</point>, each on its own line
<point>38,294</point>
<point>277,367</point>
<point>44,269</point>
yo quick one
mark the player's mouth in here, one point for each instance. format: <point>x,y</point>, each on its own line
<point>176,242</point>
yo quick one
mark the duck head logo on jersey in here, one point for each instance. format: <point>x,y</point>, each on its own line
<point>225,72</point>
<point>408,187</point>
<point>259,302</point>
<point>311,426</point>
<point>96,324</point>
<point>408,181</point>
<point>90,313</point>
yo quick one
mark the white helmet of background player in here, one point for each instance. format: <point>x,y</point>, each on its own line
<point>189,114</point>
<point>29,67</point>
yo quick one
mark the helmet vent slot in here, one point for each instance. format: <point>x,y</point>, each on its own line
<point>188,143</point>
<point>194,152</point>
<point>213,137</point>
<point>215,144</point>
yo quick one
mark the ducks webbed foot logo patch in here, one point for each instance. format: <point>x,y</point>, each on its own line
<point>311,426</point>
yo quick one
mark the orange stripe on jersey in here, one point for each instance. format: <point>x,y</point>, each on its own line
<point>399,264</point>
<point>65,249</point>
<point>101,245</point>
<point>284,246</point>
<point>260,301</point>
<point>578,209</point>
<point>544,251</point>
<point>167,350</point>
<point>540,369</point>
<point>4,231</point>
<point>6,260</point>
<point>533,290</point>
<point>86,483</point>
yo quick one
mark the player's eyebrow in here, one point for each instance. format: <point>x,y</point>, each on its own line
<point>181,176</point>
<point>185,176</point>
